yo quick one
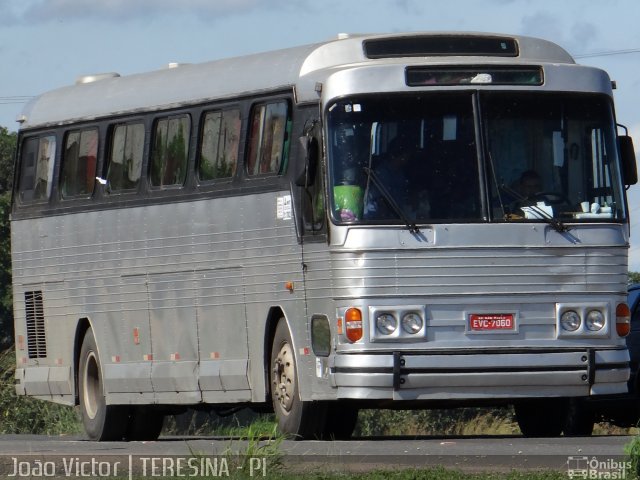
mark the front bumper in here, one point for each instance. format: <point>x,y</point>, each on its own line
<point>480,373</point>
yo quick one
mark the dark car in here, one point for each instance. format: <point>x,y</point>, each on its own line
<point>622,410</point>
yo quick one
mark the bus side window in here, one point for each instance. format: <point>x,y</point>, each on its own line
<point>125,160</point>
<point>170,151</point>
<point>79,163</point>
<point>269,139</point>
<point>36,170</point>
<point>220,144</point>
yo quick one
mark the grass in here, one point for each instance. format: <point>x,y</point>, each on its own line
<point>252,435</point>
<point>20,414</point>
<point>404,474</point>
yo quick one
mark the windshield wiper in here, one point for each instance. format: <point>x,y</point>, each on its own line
<point>555,223</point>
<point>373,176</point>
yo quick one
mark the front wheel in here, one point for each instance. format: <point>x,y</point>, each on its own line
<point>101,422</point>
<point>580,419</point>
<point>541,417</point>
<point>341,421</point>
<point>297,418</point>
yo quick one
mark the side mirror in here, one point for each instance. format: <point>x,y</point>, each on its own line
<point>628,157</point>
<point>310,147</point>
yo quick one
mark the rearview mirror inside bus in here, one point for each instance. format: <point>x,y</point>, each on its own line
<point>310,149</point>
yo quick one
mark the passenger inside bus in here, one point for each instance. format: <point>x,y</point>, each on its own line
<point>348,192</point>
<point>524,192</point>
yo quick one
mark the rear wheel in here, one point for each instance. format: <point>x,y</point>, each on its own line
<point>541,418</point>
<point>144,424</point>
<point>300,419</point>
<point>101,422</point>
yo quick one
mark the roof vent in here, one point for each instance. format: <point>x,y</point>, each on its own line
<point>96,77</point>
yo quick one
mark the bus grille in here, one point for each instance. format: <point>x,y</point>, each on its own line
<point>36,339</point>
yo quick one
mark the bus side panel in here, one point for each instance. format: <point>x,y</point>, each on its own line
<point>319,285</point>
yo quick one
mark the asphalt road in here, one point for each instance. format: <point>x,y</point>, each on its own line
<point>482,453</point>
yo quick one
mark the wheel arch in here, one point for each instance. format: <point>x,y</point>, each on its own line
<point>273,317</point>
<point>84,324</point>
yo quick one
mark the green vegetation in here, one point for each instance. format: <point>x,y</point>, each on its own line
<point>7,149</point>
<point>26,414</point>
<point>423,474</point>
<point>437,473</point>
<point>459,421</point>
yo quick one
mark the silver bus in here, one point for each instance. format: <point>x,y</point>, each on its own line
<point>418,220</point>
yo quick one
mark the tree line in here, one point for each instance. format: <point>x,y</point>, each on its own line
<point>7,152</point>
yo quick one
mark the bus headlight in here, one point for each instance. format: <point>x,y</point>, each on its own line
<point>570,321</point>
<point>594,321</point>
<point>386,323</point>
<point>412,323</point>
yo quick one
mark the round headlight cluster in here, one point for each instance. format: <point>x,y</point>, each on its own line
<point>594,321</point>
<point>387,323</point>
<point>570,321</point>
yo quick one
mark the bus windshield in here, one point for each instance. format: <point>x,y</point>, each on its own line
<point>416,159</point>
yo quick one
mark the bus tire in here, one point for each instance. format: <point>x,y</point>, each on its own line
<point>101,422</point>
<point>341,421</point>
<point>144,424</point>
<point>541,417</point>
<point>297,419</point>
<point>580,419</point>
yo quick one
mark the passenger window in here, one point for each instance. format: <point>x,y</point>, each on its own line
<point>36,168</point>
<point>219,145</point>
<point>79,163</point>
<point>170,151</point>
<point>269,139</point>
<point>125,162</point>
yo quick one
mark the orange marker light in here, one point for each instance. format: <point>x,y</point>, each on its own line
<point>353,324</point>
<point>623,319</point>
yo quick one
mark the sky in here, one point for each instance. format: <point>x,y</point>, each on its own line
<point>46,44</point>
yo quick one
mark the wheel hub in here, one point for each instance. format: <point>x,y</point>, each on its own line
<point>284,375</point>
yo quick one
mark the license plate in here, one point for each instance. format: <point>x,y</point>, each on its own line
<point>491,322</point>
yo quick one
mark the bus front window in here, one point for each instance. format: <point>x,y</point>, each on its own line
<point>418,153</point>
<point>553,154</point>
